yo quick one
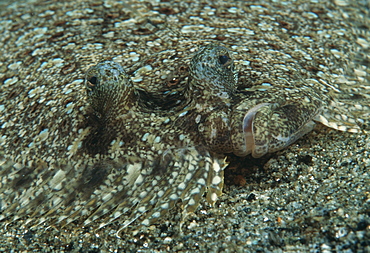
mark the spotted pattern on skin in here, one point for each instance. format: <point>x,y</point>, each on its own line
<point>123,170</point>
<point>61,161</point>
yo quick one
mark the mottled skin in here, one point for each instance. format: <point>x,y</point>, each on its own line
<point>62,160</point>
<point>211,85</point>
<point>115,102</point>
<point>271,124</point>
<point>125,170</point>
<point>239,122</point>
<point>164,154</point>
<point>258,120</point>
<point>228,120</point>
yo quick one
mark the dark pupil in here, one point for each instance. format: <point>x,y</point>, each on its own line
<point>93,80</point>
<point>223,59</point>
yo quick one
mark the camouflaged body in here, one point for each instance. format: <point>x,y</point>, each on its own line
<point>125,172</point>
<point>61,161</point>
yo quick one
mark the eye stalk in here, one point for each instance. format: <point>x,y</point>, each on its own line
<point>109,89</point>
<point>212,70</point>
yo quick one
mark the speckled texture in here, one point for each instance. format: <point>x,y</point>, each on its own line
<point>314,195</point>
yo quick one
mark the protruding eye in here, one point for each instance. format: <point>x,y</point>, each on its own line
<point>173,81</point>
<point>93,80</point>
<point>223,59</point>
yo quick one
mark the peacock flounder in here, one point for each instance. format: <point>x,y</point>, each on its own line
<point>145,138</point>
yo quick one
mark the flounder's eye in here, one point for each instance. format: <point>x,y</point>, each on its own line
<point>93,80</point>
<point>223,59</point>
